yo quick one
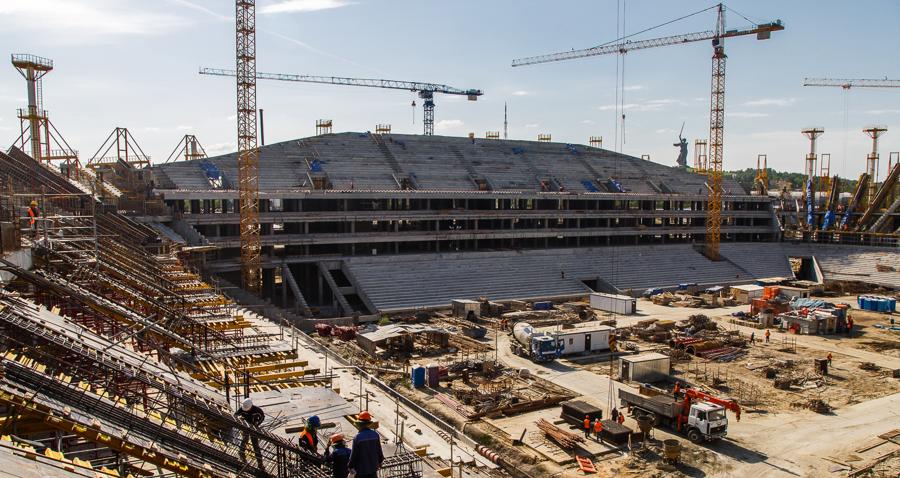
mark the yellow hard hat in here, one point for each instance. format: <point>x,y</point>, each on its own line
<point>34,204</point>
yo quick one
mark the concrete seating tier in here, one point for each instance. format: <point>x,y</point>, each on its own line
<point>436,279</point>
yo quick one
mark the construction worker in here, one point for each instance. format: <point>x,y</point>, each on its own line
<point>767,335</point>
<point>598,429</point>
<point>676,390</point>
<point>33,214</point>
<point>339,458</point>
<point>621,418</point>
<point>849,326</point>
<point>309,438</point>
<point>254,417</point>
<point>366,456</point>
<point>829,357</point>
<point>587,426</point>
<point>752,337</point>
<point>614,414</point>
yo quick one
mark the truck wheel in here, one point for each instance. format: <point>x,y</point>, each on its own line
<point>694,435</point>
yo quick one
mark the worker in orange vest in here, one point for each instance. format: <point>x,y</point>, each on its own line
<point>767,335</point>
<point>849,326</point>
<point>598,429</point>
<point>587,426</point>
<point>621,418</point>
<point>829,357</point>
<point>309,438</point>
<point>677,390</point>
<point>32,218</point>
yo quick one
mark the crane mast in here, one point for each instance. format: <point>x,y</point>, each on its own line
<point>248,153</point>
<point>716,140</point>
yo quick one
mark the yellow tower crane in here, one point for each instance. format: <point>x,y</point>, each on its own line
<point>248,153</point>
<point>717,99</point>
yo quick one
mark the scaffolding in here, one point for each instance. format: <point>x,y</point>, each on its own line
<point>323,126</point>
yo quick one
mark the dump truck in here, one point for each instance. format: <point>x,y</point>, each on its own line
<point>538,346</point>
<point>698,415</point>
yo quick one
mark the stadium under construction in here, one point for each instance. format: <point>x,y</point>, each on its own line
<point>446,306</point>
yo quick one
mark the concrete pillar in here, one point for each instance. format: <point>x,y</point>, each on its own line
<point>321,288</point>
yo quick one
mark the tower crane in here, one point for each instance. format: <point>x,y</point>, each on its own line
<point>425,91</point>
<point>852,83</point>
<point>248,153</point>
<point>717,98</point>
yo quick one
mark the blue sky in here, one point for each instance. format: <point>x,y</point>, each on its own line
<point>134,64</point>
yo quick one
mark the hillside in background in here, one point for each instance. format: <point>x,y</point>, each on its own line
<point>796,180</point>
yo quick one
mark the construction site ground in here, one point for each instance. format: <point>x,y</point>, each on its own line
<point>773,437</point>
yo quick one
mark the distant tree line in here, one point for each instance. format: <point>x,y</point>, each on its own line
<point>796,180</point>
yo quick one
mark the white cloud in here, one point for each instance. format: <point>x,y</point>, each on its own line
<point>771,102</point>
<point>444,125</point>
<point>521,93</point>
<point>634,88</point>
<point>882,112</point>
<point>220,148</point>
<point>746,114</point>
<point>201,8</point>
<point>651,105</point>
<point>532,125</point>
<point>231,118</point>
<point>297,6</point>
<point>587,121</point>
<point>152,129</point>
<point>89,18</point>
<point>664,131</point>
<point>182,127</point>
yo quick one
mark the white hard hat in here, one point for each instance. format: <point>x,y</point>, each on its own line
<point>247,404</point>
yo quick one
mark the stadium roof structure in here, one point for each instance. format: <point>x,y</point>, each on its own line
<point>355,162</point>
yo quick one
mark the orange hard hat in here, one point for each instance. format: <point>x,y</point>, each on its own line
<point>337,437</point>
<point>364,416</point>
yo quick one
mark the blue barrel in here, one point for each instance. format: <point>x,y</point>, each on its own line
<point>418,376</point>
<point>864,303</point>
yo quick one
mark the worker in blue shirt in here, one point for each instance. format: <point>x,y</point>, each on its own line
<point>366,456</point>
<point>339,458</point>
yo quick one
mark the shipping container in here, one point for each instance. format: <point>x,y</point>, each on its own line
<point>619,304</point>
<point>647,367</point>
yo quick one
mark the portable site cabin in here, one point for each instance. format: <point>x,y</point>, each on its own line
<point>619,304</point>
<point>744,294</point>
<point>646,367</point>
<point>585,337</point>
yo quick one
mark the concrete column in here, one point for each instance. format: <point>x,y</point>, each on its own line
<point>283,287</point>
<point>321,288</point>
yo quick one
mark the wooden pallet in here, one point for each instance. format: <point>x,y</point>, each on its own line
<point>585,464</point>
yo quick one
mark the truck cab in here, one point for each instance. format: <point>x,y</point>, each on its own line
<point>706,421</point>
<point>544,347</point>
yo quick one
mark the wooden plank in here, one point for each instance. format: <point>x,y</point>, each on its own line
<point>277,366</point>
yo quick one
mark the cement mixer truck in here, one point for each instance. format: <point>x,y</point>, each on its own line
<point>538,346</point>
